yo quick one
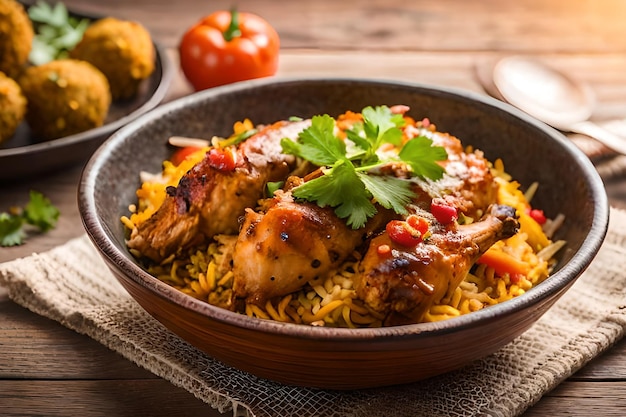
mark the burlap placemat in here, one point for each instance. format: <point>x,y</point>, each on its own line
<point>71,285</point>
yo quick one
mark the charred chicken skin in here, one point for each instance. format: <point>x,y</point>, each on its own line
<point>210,199</point>
<point>290,244</point>
<point>403,282</point>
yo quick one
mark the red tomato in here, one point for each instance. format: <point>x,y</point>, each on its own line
<point>181,154</point>
<point>407,233</point>
<point>221,159</point>
<point>226,47</point>
<point>443,213</point>
<point>418,223</point>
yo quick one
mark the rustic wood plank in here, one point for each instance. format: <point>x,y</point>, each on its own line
<point>582,399</point>
<point>34,347</point>
<point>610,366</point>
<point>454,25</point>
<point>50,398</point>
<point>61,189</point>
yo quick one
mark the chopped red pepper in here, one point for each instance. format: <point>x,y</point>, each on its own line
<point>444,213</point>
<point>408,233</point>
<point>515,278</point>
<point>418,223</point>
<point>221,159</point>
<point>181,154</point>
<point>537,215</point>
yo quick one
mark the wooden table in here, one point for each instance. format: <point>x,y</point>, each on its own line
<point>46,369</point>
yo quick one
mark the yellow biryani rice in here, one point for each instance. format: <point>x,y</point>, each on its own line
<point>204,272</point>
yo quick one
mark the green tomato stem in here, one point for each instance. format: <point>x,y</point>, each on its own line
<point>233,30</point>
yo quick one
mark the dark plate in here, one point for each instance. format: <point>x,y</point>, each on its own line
<point>24,156</point>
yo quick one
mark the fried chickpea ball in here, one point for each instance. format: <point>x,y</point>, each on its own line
<point>65,97</point>
<point>16,37</point>
<point>122,50</point>
<point>12,106</point>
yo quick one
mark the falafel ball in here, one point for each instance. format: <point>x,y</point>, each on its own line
<point>65,97</point>
<point>12,106</point>
<point>122,50</point>
<point>16,37</point>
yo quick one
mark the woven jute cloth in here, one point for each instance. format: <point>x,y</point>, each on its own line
<point>72,285</point>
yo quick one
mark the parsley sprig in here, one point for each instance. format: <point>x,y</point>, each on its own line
<point>56,32</point>
<point>38,212</point>
<point>352,182</point>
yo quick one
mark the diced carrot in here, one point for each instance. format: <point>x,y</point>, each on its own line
<point>503,263</point>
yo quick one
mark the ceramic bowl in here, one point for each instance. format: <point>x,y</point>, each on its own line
<point>346,358</point>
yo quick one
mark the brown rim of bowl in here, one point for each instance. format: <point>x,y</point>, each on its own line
<point>557,282</point>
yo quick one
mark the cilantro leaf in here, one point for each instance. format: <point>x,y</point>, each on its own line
<point>318,143</point>
<point>272,186</point>
<point>382,126</point>
<point>11,233</point>
<point>42,52</point>
<point>56,32</point>
<point>42,12</point>
<point>340,188</point>
<point>422,156</point>
<point>350,183</point>
<point>390,192</point>
<point>40,212</point>
<point>379,126</point>
<point>357,135</point>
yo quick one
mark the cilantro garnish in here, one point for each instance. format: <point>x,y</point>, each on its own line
<point>38,212</point>
<point>272,186</point>
<point>350,182</point>
<point>56,32</point>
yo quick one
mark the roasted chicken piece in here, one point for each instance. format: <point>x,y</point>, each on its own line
<point>209,199</point>
<point>468,184</point>
<point>290,244</point>
<point>403,282</point>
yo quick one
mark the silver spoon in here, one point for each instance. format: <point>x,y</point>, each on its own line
<point>551,97</point>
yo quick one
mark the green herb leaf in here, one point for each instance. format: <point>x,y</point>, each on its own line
<point>350,183</point>
<point>342,189</point>
<point>390,192</point>
<point>422,156</point>
<point>42,52</point>
<point>42,12</point>
<point>38,212</point>
<point>318,143</point>
<point>273,186</point>
<point>357,135</point>
<point>11,233</point>
<point>56,32</point>
<point>382,126</point>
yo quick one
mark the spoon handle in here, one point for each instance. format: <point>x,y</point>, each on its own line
<point>607,138</point>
